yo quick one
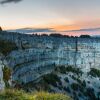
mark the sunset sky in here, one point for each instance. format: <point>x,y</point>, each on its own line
<point>61,15</point>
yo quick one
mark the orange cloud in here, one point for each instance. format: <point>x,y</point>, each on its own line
<point>66,27</point>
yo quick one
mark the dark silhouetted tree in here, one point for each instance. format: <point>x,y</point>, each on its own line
<point>0,29</point>
<point>85,36</point>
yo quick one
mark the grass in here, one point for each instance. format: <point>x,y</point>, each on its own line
<point>12,94</point>
<point>48,96</point>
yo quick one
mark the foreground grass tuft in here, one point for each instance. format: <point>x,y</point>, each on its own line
<point>11,94</point>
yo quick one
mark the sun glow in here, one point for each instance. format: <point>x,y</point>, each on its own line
<point>66,27</point>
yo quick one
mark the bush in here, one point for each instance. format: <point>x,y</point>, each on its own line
<point>85,36</point>
<point>67,89</point>
<point>6,47</point>
<point>91,94</point>
<point>74,70</point>
<point>6,75</point>
<point>66,79</point>
<point>73,77</point>
<point>94,72</point>
<point>84,84</point>
<point>63,69</point>
<point>51,79</point>
<point>75,86</point>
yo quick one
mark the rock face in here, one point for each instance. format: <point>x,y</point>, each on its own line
<point>2,84</point>
<point>38,55</point>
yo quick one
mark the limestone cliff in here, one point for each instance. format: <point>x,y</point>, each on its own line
<point>31,56</point>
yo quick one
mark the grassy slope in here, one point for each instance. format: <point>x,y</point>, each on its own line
<point>12,94</point>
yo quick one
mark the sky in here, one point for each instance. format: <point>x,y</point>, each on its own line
<point>61,15</point>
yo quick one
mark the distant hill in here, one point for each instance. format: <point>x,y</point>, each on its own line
<point>89,29</point>
<point>32,30</point>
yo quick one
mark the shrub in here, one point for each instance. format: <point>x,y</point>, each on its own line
<point>6,75</point>
<point>85,36</point>
<point>79,94</point>
<point>6,47</point>
<point>91,94</point>
<point>63,69</point>
<point>84,84</point>
<point>67,89</point>
<point>75,86</point>
<point>66,79</point>
<point>74,70</point>
<point>73,77</point>
<point>78,80</point>
<point>94,72</point>
<point>51,79</point>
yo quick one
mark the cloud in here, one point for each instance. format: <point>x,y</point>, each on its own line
<point>9,1</point>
